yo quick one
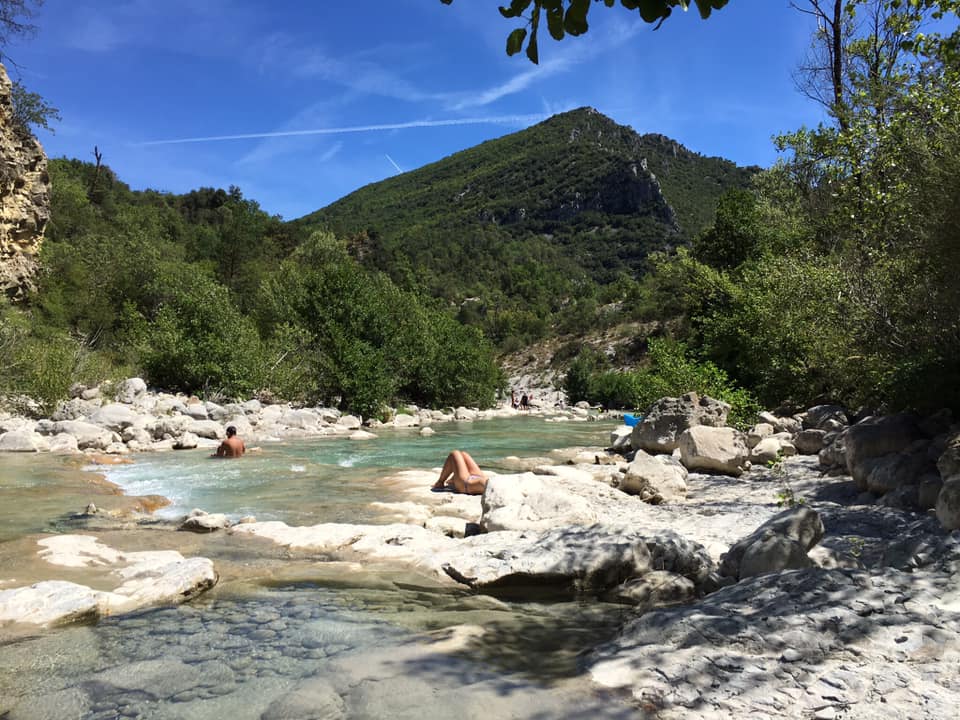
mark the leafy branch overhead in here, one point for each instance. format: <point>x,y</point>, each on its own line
<point>569,17</point>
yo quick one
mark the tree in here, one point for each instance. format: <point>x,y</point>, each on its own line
<point>30,110</point>
<point>569,17</point>
<point>15,20</point>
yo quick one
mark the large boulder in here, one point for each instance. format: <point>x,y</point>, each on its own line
<point>714,449</point>
<point>131,389</point>
<point>620,438</point>
<point>209,429</point>
<point>896,470</point>
<point>781,423</point>
<point>669,417</point>
<point>781,543</point>
<point>655,479</point>
<point>114,416</point>
<point>573,559</point>
<point>528,502</point>
<point>810,441</point>
<point>825,417</point>
<point>948,464</point>
<point>88,435</point>
<point>23,441</point>
<point>875,437</point>
<point>948,504</point>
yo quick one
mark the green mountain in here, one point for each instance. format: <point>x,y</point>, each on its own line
<point>526,219</point>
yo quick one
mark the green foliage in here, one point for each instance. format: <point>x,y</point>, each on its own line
<point>42,364</point>
<point>206,293</point>
<point>569,17</point>
<point>530,223</point>
<point>672,372</point>
<point>30,110</point>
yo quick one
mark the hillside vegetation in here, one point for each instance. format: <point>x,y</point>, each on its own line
<point>533,223</point>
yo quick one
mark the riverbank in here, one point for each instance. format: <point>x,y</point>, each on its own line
<point>786,590</point>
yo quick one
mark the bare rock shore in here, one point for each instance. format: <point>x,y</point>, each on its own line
<point>790,587</point>
<point>116,420</point>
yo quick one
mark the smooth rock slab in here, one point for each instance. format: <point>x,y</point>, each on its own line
<point>147,578</point>
<point>561,561</point>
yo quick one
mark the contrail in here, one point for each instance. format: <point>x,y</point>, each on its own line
<point>393,163</point>
<point>496,120</point>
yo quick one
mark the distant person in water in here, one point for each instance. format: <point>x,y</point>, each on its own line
<point>524,402</point>
<point>231,447</point>
<point>462,473</point>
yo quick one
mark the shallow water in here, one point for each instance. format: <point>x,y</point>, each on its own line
<point>334,479</point>
<point>281,638</point>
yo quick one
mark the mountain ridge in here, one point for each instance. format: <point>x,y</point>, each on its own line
<point>576,195</point>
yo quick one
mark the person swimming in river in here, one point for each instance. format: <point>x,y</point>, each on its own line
<point>232,447</point>
<point>462,473</point>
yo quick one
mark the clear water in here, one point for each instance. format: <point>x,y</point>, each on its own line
<point>281,638</point>
<point>334,479</point>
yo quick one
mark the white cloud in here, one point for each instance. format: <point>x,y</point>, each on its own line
<point>494,119</point>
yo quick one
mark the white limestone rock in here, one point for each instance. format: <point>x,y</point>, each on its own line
<point>23,441</point>
<point>714,449</point>
<point>655,479</point>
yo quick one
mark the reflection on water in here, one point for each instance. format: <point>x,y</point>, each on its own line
<point>288,639</point>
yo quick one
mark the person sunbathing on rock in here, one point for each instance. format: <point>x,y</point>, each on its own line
<point>232,447</point>
<point>462,473</point>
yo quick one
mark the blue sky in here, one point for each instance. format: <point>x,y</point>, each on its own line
<point>341,93</point>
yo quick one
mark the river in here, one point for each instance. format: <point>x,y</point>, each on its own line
<point>289,637</point>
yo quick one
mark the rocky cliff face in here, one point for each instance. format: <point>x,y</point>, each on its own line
<point>24,198</point>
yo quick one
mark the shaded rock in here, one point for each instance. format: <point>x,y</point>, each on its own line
<point>314,698</point>
<point>875,437</point>
<point>825,417</point>
<point>810,441</point>
<point>928,491</point>
<point>667,418</point>
<point>778,544</point>
<point>620,438</point>
<point>714,449</point>
<point>655,479</point>
<point>948,504</point>
<point>653,589</point>
<point>780,423</point>
<point>890,472</point>
<point>948,464</point>
<point>834,451</point>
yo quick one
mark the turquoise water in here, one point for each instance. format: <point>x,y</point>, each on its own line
<point>286,639</point>
<point>334,479</point>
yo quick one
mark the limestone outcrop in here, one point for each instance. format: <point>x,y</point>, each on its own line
<point>24,198</point>
<point>141,579</point>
